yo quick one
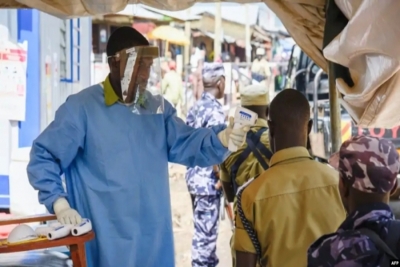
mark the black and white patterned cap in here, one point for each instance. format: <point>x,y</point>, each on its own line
<point>211,73</point>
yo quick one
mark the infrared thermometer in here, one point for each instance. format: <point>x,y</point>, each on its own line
<point>243,117</point>
<point>83,228</point>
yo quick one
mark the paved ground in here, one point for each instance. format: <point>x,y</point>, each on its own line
<point>183,223</point>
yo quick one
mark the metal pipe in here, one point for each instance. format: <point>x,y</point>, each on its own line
<point>317,79</point>
<point>308,70</point>
<point>335,114</point>
<point>295,75</point>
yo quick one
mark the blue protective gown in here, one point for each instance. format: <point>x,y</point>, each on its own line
<point>116,171</point>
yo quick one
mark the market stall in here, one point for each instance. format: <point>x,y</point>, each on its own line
<point>333,29</point>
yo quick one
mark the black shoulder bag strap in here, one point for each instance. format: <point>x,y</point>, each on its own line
<point>263,149</point>
<point>380,244</point>
<point>235,167</point>
<point>247,226</point>
<point>254,148</point>
<point>243,156</point>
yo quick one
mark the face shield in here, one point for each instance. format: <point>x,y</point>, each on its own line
<point>140,75</point>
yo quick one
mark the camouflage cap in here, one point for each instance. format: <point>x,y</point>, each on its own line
<point>211,73</point>
<point>371,164</point>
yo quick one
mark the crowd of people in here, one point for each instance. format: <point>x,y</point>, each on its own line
<point>290,210</point>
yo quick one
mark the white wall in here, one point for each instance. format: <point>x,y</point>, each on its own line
<point>8,18</point>
<point>51,47</point>
<point>51,88</point>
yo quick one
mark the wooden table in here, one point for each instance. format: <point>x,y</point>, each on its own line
<point>76,244</point>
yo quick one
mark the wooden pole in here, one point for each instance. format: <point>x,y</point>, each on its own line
<point>188,35</point>
<point>217,31</point>
<point>166,48</point>
<point>336,127</point>
<point>248,35</point>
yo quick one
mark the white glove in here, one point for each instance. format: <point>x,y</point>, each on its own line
<point>65,214</point>
<point>237,136</point>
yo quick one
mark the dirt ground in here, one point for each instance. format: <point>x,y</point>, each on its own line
<point>183,222</point>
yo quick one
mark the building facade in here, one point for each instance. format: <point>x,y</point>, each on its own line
<point>58,64</point>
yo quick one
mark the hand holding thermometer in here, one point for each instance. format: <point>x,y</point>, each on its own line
<point>243,117</point>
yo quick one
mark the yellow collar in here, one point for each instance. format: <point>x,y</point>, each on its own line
<point>261,123</point>
<point>110,97</point>
<point>288,154</point>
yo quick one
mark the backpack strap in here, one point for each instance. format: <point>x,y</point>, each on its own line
<point>264,150</point>
<point>235,167</point>
<point>244,155</point>
<point>379,243</point>
<point>252,144</point>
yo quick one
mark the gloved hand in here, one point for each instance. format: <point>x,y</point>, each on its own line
<point>238,136</point>
<point>65,214</point>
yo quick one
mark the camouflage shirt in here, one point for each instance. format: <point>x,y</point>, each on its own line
<point>206,112</point>
<point>347,248</point>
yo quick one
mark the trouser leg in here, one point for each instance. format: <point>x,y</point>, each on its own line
<point>206,221</point>
<point>192,197</point>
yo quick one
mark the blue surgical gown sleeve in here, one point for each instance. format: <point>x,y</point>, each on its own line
<point>54,150</point>
<point>192,147</point>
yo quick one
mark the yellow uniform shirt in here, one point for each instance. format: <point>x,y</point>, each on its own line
<point>172,87</point>
<point>250,167</point>
<point>261,67</point>
<point>290,205</point>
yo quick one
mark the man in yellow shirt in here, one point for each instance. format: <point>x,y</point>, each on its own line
<point>294,202</point>
<point>260,69</point>
<point>172,85</point>
<point>243,164</point>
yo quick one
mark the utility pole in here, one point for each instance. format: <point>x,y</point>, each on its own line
<point>248,34</point>
<point>217,31</point>
<point>188,33</point>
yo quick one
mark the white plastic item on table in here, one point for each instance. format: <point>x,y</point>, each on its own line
<point>44,230</point>
<point>60,232</point>
<point>21,233</point>
<point>243,117</point>
<point>55,224</point>
<point>83,228</point>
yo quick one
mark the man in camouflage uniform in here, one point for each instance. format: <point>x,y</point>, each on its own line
<point>255,98</point>
<point>368,168</point>
<point>203,183</point>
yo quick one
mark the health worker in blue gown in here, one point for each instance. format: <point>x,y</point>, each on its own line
<point>113,142</point>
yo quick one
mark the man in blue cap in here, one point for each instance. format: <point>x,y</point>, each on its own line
<point>202,181</point>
